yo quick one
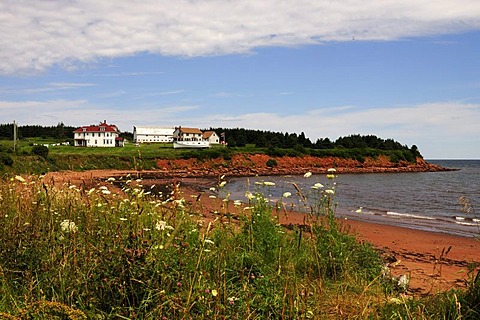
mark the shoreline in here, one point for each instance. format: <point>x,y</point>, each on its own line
<point>434,261</point>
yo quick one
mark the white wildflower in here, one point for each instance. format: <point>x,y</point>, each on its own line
<point>20,178</point>
<point>103,188</point>
<point>317,186</point>
<point>72,186</point>
<point>222,184</point>
<point>123,219</point>
<point>249,195</point>
<point>359,210</point>
<point>268,183</point>
<point>209,241</point>
<point>307,174</point>
<point>212,196</point>
<point>332,170</point>
<point>91,191</point>
<point>68,226</point>
<point>286,194</point>
<point>161,225</point>
<point>330,191</point>
<point>237,203</point>
<point>111,179</point>
<point>212,189</point>
<point>106,191</point>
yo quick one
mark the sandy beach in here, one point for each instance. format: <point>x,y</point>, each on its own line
<point>434,261</point>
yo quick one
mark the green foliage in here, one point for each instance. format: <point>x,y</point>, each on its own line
<point>271,163</point>
<point>40,150</point>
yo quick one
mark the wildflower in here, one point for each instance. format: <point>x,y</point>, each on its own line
<point>286,194</point>
<point>330,191</point>
<point>231,300</point>
<point>214,292</point>
<point>237,203</point>
<point>212,196</point>
<point>222,184</point>
<point>106,191</point>
<point>249,195</point>
<point>212,189</point>
<point>72,186</point>
<point>160,225</point>
<point>68,226</point>
<point>123,219</point>
<point>209,241</point>
<point>91,191</point>
<point>330,176</point>
<point>111,179</point>
<point>317,186</point>
<point>307,175</point>
<point>331,170</point>
<point>268,183</point>
<point>359,210</point>
<point>20,178</point>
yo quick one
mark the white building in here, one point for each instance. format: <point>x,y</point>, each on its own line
<point>102,135</point>
<point>211,137</point>
<point>187,134</point>
<point>152,134</point>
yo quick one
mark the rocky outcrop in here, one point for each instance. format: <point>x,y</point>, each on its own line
<point>256,164</point>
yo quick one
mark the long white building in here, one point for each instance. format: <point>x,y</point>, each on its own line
<point>152,134</point>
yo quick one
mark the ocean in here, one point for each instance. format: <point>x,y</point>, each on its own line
<point>446,202</point>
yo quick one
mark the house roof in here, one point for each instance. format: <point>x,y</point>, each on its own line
<point>189,130</point>
<point>208,134</point>
<point>154,130</point>
<point>98,128</point>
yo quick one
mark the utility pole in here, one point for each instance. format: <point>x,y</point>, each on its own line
<point>14,136</point>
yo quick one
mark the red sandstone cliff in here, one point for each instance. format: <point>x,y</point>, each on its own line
<point>256,164</point>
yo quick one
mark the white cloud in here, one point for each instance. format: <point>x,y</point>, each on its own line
<point>37,35</point>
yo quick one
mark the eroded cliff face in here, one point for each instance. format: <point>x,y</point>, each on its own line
<point>256,164</point>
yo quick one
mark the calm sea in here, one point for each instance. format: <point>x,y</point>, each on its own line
<point>427,201</point>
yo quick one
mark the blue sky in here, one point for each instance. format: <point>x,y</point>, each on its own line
<point>407,70</point>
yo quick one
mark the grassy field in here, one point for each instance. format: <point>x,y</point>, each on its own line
<point>67,253</point>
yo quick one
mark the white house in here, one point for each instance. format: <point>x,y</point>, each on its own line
<point>187,134</point>
<point>211,137</point>
<point>152,134</point>
<point>102,135</point>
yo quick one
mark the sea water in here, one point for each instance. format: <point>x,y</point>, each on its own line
<point>447,202</point>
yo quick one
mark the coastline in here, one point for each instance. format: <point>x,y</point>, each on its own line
<point>434,261</point>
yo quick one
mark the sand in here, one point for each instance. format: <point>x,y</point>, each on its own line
<point>435,262</point>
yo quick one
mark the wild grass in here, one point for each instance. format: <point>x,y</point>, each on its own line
<point>95,253</point>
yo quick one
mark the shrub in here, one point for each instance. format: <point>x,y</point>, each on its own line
<point>271,163</point>
<point>40,150</point>
<point>6,159</point>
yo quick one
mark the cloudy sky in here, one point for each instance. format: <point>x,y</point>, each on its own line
<point>407,70</point>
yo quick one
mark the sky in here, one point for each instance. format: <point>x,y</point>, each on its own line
<point>407,70</point>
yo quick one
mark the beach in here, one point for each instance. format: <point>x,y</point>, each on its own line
<point>434,261</point>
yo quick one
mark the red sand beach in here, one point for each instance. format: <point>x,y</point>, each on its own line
<point>434,261</point>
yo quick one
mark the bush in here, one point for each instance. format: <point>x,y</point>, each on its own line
<point>40,150</point>
<point>271,163</point>
<point>6,159</point>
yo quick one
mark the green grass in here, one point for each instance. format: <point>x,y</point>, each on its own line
<point>74,253</point>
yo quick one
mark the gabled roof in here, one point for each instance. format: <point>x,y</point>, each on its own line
<point>102,127</point>
<point>208,134</point>
<point>189,130</point>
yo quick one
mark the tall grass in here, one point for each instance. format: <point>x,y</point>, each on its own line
<point>93,252</point>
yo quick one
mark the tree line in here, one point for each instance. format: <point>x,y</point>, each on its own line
<point>266,139</point>
<point>60,131</point>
